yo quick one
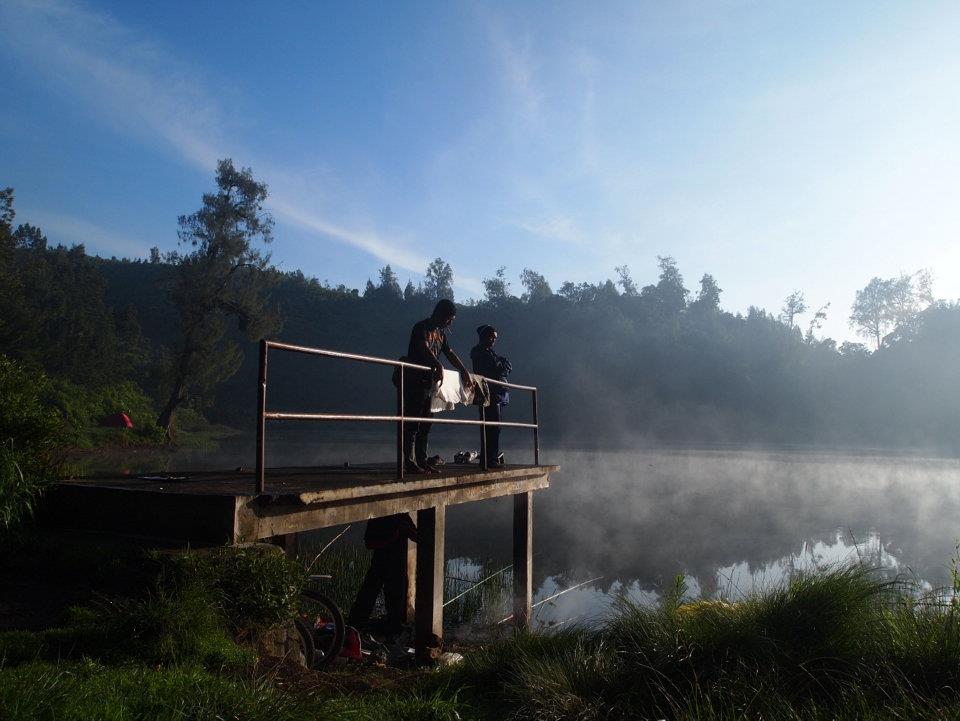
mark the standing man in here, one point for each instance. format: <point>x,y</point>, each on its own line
<point>427,341</point>
<point>495,367</point>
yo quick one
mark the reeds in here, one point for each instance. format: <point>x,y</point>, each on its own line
<point>835,644</point>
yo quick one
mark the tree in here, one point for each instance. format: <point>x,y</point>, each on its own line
<point>816,323</point>
<point>389,286</point>
<point>409,291</point>
<point>221,278</point>
<point>497,289</point>
<point>438,283</point>
<point>871,313</point>
<point>537,287</point>
<point>709,296</point>
<point>155,257</point>
<point>626,282</point>
<point>669,292</point>
<point>15,314</point>
<point>795,305</point>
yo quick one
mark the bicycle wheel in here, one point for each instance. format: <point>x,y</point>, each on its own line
<point>323,622</point>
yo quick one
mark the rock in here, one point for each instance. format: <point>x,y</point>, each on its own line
<point>280,642</point>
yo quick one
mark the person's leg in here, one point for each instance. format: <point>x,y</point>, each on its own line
<point>412,406</point>
<point>366,599</point>
<point>484,413</point>
<point>423,431</point>
<point>494,413</point>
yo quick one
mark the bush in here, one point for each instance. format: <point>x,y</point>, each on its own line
<point>254,586</point>
<point>82,410</point>
<point>30,441</point>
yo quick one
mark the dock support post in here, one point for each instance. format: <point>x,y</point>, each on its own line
<point>289,542</point>
<point>431,524</point>
<point>522,558</point>
<point>409,614</point>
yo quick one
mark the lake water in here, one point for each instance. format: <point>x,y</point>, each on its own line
<point>730,521</point>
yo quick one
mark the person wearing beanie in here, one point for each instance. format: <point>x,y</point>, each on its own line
<point>427,341</point>
<point>487,363</point>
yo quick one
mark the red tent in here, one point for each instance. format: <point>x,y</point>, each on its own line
<point>117,420</point>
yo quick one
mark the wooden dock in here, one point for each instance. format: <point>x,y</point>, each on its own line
<point>213,508</point>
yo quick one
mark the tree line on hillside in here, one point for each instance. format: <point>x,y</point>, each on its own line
<point>615,361</point>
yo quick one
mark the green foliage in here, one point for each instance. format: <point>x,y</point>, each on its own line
<point>222,277</point>
<point>83,407</point>
<point>89,690</point>
<point>251,586</point>
<point>833,645</point>
<point>175,625</point>
<point>18,647</point>
<point>30,438</point>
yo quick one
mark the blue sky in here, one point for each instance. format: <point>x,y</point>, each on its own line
<point>776,145</point>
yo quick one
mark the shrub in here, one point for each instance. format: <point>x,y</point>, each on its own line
<point>30,441</point>
<point>253,586</point>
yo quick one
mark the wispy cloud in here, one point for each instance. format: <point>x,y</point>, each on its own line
<point>514,54</point>
<point>70,230</point>
<point>138,87</point>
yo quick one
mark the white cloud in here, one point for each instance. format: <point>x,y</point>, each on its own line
<point>70,230</point>
<point>138,87</point>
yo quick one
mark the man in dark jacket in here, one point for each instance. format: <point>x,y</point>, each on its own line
<point>427,341</point>
<point>487,363</point>
<point>387,537</point>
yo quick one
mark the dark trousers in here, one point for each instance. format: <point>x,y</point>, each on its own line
<point>416,402</point>
<point>490,441</point>
<point>388,571</point>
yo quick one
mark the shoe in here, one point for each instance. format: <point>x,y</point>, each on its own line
<point>427,466</point>
<point>414,469</point>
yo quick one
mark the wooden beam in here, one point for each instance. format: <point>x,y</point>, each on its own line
<point>522,558</point>
<point>431,525</point>
<point>289,516</point>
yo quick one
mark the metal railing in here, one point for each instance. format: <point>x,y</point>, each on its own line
<point>263,415</point>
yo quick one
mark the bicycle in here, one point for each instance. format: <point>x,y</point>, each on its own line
<point>321,627</point>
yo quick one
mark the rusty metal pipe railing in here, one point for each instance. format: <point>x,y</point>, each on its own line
<point>263,415</point>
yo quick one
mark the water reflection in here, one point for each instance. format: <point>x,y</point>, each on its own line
<point>731,521</point>
<point>735,582</point>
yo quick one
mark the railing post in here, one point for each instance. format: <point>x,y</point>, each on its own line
<point>401,461</point>
<point>536,431</point>
<point>261,418</point>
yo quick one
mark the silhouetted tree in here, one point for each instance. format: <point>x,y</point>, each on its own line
<point>871,315</point>
<point>794,305</point>
<point>222,277</point>
<point>389,286</point>
<point>438,282</point>
<point>409,291</point>
<point>709,296</point>
<point>626,283</point>
<point>497,289</point>
<point>670,294</point>
<point>536,287</point>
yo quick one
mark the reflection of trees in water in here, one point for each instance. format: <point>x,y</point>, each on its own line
<point>652,514</point>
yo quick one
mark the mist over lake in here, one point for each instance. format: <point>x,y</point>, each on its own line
<point>731,521</point>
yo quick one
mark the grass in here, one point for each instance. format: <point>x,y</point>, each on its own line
<point>842,643</point>
<point>837,644</point>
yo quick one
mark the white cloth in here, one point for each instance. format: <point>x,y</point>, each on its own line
<point>446,395</point>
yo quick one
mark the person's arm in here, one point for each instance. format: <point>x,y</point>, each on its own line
<point>458,364</point>
<point>435,362</point>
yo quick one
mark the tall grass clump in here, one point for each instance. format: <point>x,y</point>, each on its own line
<point>80,691</point>
<point>30,439</point>
<point>835,644</point>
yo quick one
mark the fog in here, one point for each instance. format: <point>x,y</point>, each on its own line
<point>732,521</point>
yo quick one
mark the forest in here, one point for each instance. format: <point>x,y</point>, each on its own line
<point>171,341</point>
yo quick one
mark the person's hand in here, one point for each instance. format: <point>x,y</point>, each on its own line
<point>438,373</point>
<point>467,380</point>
